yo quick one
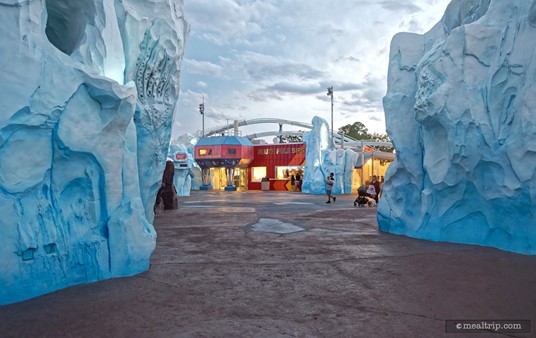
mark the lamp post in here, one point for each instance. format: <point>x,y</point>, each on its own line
<point>202,111</point>
<point>330,93</point>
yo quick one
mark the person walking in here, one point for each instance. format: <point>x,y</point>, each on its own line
<point>329,187</point>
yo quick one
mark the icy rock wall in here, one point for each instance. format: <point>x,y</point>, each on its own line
<point>461,111</point>
<point>320,161</point>
<point>191,180</point>
<point>182,176</point>
<point>87,97</point>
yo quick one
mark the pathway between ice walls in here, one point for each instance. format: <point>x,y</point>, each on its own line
<point>88,96</point>
<point>461,111</point>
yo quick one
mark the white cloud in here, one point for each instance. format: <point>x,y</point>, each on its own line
<point>259,58</point>
<point>260,67</point>
<point>202,68</point>
<point>228,21</point>
<point>400,6</point>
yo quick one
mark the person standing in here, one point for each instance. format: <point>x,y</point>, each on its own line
<point>298,181</point>
<point>292,182</point>
<point>376,185</point>
<point>371,191</point>
<point>329,187</point>
<point>382,181</point>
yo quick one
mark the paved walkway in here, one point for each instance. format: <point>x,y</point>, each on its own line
<point>325,271</point>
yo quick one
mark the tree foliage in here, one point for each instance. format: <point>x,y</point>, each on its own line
<point>356,131</point>
<point>382,138</point>
<point>359,131</point>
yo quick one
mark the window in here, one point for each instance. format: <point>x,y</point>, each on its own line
<point>257,173</point>
<point>285,172</point>
<point>203,152</point>
<point>231,151</point>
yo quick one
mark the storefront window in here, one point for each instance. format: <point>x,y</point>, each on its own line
<point>285,172</point>
<point>258,173</point>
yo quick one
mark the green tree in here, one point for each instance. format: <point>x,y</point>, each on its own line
<point>356,131</point>
<point>382,138</point>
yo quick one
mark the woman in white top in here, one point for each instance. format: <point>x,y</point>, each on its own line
<point>371,191</point>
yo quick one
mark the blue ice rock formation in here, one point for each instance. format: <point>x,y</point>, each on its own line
<point>317,143</point>
<point>182,163</point>
<point>191,180</point>
<point>88,94</point>
<point>460,110</point>
<point>320,161</point>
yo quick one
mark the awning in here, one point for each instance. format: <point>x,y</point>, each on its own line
<point>380,155</point>
<point>359,160</point>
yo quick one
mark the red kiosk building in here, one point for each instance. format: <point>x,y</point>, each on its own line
<point>232,162</point>
<point>224,161</point>
<point>277,162</point>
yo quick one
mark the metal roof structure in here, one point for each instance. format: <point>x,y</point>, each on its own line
<point>224,140</point>
<point>338,138</point>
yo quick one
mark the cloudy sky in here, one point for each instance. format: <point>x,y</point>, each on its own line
<point>276,58</point>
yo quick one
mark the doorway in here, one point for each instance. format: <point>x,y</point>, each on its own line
<point>219,178</point>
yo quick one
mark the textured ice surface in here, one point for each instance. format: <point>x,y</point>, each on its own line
<point>185,179</point>
<point>182,178</point>
<point>320,161</point>
<point>88,95</point>
<point>460,109</point>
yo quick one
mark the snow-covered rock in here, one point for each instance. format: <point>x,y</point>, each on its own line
<point>460,110</point>
<point>88,94</point>
<point>320,161</point>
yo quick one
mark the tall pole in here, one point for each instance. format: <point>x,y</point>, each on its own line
<point>330,93</point>
<point>202,111</point>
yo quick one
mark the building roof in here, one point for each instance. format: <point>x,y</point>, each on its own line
<point>224,140</point>
<point>379,155</point>
<point>367,157</point>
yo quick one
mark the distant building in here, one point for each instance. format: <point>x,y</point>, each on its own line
<point>235,163</point>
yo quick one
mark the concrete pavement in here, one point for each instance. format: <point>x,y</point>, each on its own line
<point>324,271</point>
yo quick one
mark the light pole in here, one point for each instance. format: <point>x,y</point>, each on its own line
<point>330,93</point>
<point>202,111</point>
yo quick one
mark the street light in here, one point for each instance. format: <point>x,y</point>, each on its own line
<point>330,93</point>
<point>202,111</point>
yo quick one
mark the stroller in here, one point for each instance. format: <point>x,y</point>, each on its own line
<point>361,201</point>
<point>363,198</point>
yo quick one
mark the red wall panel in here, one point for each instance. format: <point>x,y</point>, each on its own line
<point>273,155</point>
